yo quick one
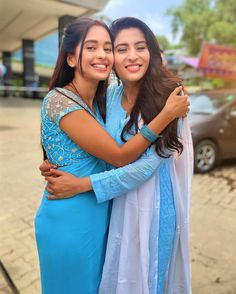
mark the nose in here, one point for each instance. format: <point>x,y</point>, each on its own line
<point>101,53</point>
<point>132,54</point>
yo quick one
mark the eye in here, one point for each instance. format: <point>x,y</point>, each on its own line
<point>108,50</point>
<point>141,48</point>
<point>91,48</point>
<point>121,49</point>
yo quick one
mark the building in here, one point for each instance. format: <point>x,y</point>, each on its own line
<point>24,22</point>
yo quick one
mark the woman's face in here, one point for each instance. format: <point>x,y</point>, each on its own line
<point>97,56</point>
<point>131,54</point>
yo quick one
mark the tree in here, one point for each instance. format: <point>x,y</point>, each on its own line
<point>223,31</point>
<point>212,21</point>
<point>163,42</point>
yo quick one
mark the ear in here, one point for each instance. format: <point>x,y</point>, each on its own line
<point>71,60</point>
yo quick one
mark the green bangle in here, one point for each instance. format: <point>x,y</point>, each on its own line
<point>148,134</point>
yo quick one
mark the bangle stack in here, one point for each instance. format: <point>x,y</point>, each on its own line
<point>148,134</point>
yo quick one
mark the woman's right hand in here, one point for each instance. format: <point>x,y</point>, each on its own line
<point>177,105</point>
<point>45,168</point>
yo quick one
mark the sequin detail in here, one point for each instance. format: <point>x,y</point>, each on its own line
<point>60,149</point>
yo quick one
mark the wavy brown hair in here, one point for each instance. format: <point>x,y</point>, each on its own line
<point>155,87</point>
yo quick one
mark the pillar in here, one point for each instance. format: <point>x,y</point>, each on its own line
<point>63,22</point>
<point>6,60</point>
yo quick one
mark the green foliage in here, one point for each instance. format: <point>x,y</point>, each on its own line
<point>163,42</point>
<point>205,21</point>
<point>17,82</point>
<point>217,83</point>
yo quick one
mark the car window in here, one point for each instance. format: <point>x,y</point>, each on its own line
<point>204,103</point>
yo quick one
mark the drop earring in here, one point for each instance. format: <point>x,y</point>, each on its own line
<point>117,77</point>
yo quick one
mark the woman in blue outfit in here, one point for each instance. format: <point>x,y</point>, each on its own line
<point>71,235</point>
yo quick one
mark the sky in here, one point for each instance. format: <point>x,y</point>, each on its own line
<point>152,12</point>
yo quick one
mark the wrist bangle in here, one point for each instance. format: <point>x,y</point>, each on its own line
<point>148,134</point>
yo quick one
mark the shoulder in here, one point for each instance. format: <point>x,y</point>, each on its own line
<point>57,104</point>
<point>60,98</point>
<point>50,95</point>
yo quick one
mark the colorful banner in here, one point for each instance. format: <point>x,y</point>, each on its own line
<point>218,61</point>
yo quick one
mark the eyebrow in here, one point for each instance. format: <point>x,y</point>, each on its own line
<point>96,41</point>
<point>126,44</point>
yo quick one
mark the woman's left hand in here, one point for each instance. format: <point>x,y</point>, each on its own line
<point>62,185</point>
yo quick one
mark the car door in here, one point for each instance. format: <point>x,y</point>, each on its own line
<point>230,131</point>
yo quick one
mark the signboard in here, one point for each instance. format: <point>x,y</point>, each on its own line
<point>218,61</point>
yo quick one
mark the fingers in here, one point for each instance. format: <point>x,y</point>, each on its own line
<point>51,189</point>
<point>185,99</point>
<point>48,188</point>
<point>177,90</point>
<point>56,172</point>
<point>46,174</point>
<point>52,197</point>
<point>187,111</point>
<point>184,105</point>
<point>188,102</point>
<point>46,166</point>
<point>50,179</point>
<point>51,173</point>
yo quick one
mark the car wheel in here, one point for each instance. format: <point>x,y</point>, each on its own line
<point>204,156</point>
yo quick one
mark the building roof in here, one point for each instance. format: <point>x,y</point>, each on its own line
<point>34,19</point>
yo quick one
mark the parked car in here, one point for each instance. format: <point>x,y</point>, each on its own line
<point>213,126</point>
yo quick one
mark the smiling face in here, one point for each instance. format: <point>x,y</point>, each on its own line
<point>131,54</point>
<point>97,55</point>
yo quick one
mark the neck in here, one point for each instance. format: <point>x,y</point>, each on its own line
<point>86,89</point>
<point>130,93</point>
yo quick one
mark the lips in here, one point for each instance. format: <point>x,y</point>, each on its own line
<point>133,67</point>
<point>99,66</point>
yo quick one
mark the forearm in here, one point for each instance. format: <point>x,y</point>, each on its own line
<point>132,149</point>
<point>114,183</point>
<point>106,185</point>
<point>161,121</point>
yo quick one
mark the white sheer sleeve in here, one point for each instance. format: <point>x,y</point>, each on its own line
<point>58,105</point>
<point>111,184</point>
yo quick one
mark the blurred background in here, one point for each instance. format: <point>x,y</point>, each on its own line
<point>198,40</point>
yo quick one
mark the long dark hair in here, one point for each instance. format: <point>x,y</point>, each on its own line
<point>155,87</point>
<point>63,74</point>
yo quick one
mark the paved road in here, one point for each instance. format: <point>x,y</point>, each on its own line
<point>213,228</point>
